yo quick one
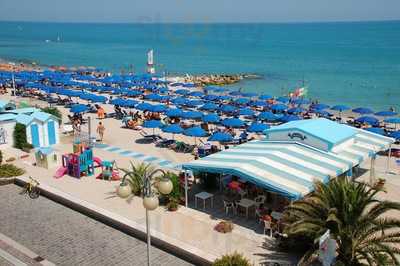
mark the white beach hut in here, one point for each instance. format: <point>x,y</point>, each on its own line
<point>7,125</point>
<point>42,129</point>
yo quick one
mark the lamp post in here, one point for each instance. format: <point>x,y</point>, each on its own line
<point>150,199</point>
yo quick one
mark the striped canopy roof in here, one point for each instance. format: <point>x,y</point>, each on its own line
<point>286,167</point>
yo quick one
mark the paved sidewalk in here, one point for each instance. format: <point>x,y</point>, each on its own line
<point>13,253</point>
<point>67,237</point>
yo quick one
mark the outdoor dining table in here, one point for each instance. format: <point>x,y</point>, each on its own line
<point>204,196</point>
<point>276,215</point>
<point>246,203</point>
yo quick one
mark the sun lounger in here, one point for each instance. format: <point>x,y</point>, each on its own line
<point>68,129</point>
<point>152,137</point>
<point>164,143</point>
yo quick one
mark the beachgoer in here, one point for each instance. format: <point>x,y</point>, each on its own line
<point>100,130</point>
<point>100,112</point>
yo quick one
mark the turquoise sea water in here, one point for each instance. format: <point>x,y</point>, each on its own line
<point>352,63</point>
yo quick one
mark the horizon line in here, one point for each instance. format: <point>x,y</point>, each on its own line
<point>200,23</point>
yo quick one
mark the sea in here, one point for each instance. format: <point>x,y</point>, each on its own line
<point>352,63</point>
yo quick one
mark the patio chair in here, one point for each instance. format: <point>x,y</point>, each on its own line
<point>260,200</point>
<point>268,226</point>
<point>229,206</point>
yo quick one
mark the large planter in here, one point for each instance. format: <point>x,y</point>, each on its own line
<point>124,190</point>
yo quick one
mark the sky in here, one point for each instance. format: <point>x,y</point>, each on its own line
<point>198,11</point>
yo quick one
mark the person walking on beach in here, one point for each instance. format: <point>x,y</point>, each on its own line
<point>100,130</point>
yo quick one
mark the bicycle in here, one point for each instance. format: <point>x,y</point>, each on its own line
<point>31,188</point>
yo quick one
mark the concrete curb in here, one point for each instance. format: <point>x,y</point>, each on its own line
<point>160,240</point>
<point>24,250</point>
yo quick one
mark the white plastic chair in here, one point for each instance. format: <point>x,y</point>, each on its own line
<point>229,206</point>
<point>267,226</point>
<point>260,200</point>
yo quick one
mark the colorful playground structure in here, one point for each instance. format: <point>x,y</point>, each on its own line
<point>109,171</point>
<point>79,163</point>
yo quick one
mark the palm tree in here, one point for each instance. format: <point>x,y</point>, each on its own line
<point>137,174</point>
<point>355,218</point>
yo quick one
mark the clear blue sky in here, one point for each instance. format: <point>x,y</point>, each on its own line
<point>198,10</point>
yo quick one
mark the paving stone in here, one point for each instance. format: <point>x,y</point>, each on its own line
<point>66,237</point>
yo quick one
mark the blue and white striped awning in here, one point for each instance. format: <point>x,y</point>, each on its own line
<point>289,168</point>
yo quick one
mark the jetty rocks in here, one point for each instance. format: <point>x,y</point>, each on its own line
<point>218,79</point>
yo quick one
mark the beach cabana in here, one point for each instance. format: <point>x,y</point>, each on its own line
<point>42,129</point>
<point>293,155</point>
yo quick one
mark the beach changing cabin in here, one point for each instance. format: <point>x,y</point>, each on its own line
<point>46,157</point>
<point>7,125</point>
<point>42,129</point>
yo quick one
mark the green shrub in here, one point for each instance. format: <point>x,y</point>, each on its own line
<point>234,259</point>
<point>10,170</point>
<point>20,136</point>
<point>176,193</point>
<point>1,157</point>
<point>53,111</point>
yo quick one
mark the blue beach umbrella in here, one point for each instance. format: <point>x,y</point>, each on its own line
<point>392,120</point>
<point>179,101</point>
<point>385,113</point>
<point>296,110</point>
<point>279,107</point>
<point>267,116</point>
<point>153,97</point>
<point>228,108</point>
<point>323,113</point>
<point>246,112</point>
<point>192,115</point>
<point>220,137</point>
<point>265,97</point>
<point>182,91</point>
<point>144,106</point>
<point>257,127</point>
<point>79,108</point>
<point>232,122</point>
<point>376,130</point>
<point>152,124</point>
<point>159,108</point>
<point>210,97</point>
<point>224,98</point>
<point>319,106</point>
<point>288,118</point>
<point>362,110</point>
<point>211,118</point>
<point>195,131</point>
<point>174,112</point>
<point>283,99</point>
<point>395,134</point>
<point>194,103</point>
<point>209,107</point>
<point>259,103</point>
<point>129,103</point>
<point>367,119</point>
<point>301,101</point>
<point>242,101</point>
<point>249,94</point>
<point>340,108</point>
<point>235,93</point>
<point>173,128</point>
<point>196,94</point>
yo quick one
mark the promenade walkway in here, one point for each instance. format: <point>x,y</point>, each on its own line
<point>67,237</point>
